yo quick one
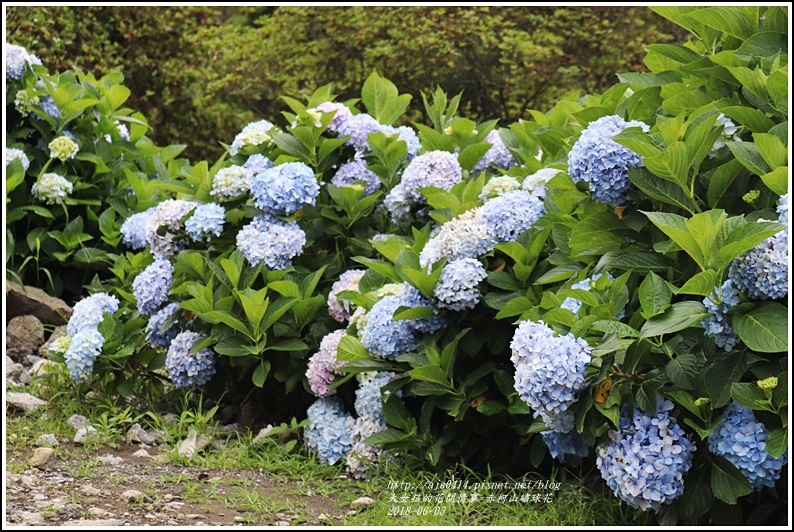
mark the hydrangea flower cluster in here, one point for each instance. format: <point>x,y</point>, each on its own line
<point>285,188</point>
<point>47,104</point>
<point>728,133</point>
<point>368,401</point>
<point>340,310</point>
<point>741,439</point>
<point>364,456</point>
<point>398,203</point>
<point>341,114</point>
<point>257,163</point>
<point>206,220</point>
<point>133,230</point>
<point>575,305</point>
<point>151,286</point>
<point>498,185</point>
<point>356,170</point>
<point>762,272</point>
<point>567,447</point>
<point>602,162</point>
<point>13,154</point>
<point>536,183</point>
<point>17,58</point>
<point>186,369</point>
<point>645,461</point>
<point>63,148</point>
<point>511,214</point>
<point>407,135</point>
<point>497,155</point>
<point>24,102</point>
<point>52,188</point>
<point>272,240</point>
<point>549,371</point>
<point>329,430</point>
<point>358,128</point>
<point>466,235</point>
<point>254,134</point>
<point>156,334</point>
<point>432,169</point>
<point>457,287</point>
<point>170,215</point>
<point>232,181</point>
<point>85,342</point>
<point>324,366</point>
<point>716,324</point>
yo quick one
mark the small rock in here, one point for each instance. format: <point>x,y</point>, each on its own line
<point>137,434</point>
<point>134,496</point>
<point>193,516</point>
<point>24,401</point>
<point>24,336</point>
<point>232,428</point>
<point>47,440</point>
<point>48,514</point>
<point>282,523</point>
<point>109,459</point>
<point>168,497</point>
<point>193,444</point>
<point>85,434</point>
<point>90,490</point>
<point>262,434</point>
<point>42,458</point>
<point>41,367</point>
<point>77,421</point>
<point>32,518</point>
<point>141,454</point>
<point>24,376</point>
<point>150,516</point>
<point>173,507</point>
<point>94,522</point>
<point>323,516</point>
<point>362,502</point>
<point>352,512</point>
<point>239,519</point>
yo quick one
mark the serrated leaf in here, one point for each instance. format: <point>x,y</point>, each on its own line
<point>683,370</point>
<point>676,318</point>
<point>777,180</point>
<point>777,442</point>
<point>655,296</point>
<point>764,328</point>
<point>260,374</point>
<point>754,119</point>
<point>727,482</point>
<point>771,148</point>
<point>661,189</point>
<point>701,284</point>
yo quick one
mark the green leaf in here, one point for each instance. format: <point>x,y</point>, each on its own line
<point>637,141</point>
<point>683,370</point>
<point>749,117</point>
<point>701,284</point>
<point>771,149</point>
<point>560,273</point>
<point>777,180</point>
<point>639,261</point>
<point>382,99</point>
<point>661,189</point>
<point>720,180</point>
<point>515,307</point>
<point>655,296</point>
<point>677,229</point>
<point>749,395</point>
<point>616,327</point>
<point>747,154</point>
<point>777,442</point>
<point>727,482</point>
<point>228,319</point>
<point>430,373</point>
<point>260,374</point>
<point>723,372</point>
<point>288,344</point>
<point>350,349</point>
<point>676,318</point>
<point>413,313</point>
<point>742,238</point>
<point>777,86</point>
<point>725,19</point>
<point>764,328</point>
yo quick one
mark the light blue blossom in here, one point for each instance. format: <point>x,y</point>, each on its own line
<point>602,162</point>
<point>716,323</point>
<point>457,287</point>
<point>567,447</point>
<point>256,164</point>
<point>383,337</point>
<point>364,457</point>
<point>133,230</point>
<point>358,128</point>
<point>465,236</point>
<point>645,461</point>
<point>742,440</point>
<point>52,188</point>
<point>13,154</point>
<point>406,134</point>
<point>413,298</point>
<point>17,58</point>
<point>497,155</point>
<point>232,181</point>
<point>89,312</point>
<point>439,169</point>
<point>369,401</point>
<point>169,215</point>
<point>356,170</point>
<point>550,371</point>
<point>84,348</point>
<point>272,240</point>
<point>511,214</point>
<point>186,369</point>
<point>762,272</point>
<point>536,183</point>
<point>329,430</point>
<point>341,114</point>
<point>340,310</point>
<point>151,286</point>
<point>206,220</point>
<point>782,209</point>
<point>156,333</point>
<point>285,188</point>
<point>398,203</point>
<point>324,366</point>
<point>254,134</point>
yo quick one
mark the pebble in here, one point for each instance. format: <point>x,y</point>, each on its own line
<point>78,422</point>
<point>89,490</point>
<point>362,502</point>
<point>43,457</point>
<point>141,454</point>
<point>134,496</point>
<point>109,459</point>
<point>85,434</point>
<point>47,440</point>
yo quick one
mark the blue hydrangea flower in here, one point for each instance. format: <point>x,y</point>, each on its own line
<point>272,240</point>
<point>511,214</point>
<point>741,439</point>
<point>498,185</point>
<point>341,114</point>
<point>85,347</point>
<point>716,324</point>
<point>89,312</point>
<point>133,230</point>
<point>465,236</point>
<point>47,105</point>
<point>567,447</point>
<point>324,366</point>
<point>340,310</point>
<point>386,338</point>
<point>762,272</point>
<point>151,286</point>
<point>782,209</point>
<point>369,402</point>
<point>285,188</point>
<point>439,169</point>
<point>645,461</point>
<point>156,335</point>
<point>406,134</point>
<point>398,203</point>
<point>232,181</point>
<point>257,163</point>
<point>169,214</point>
<point>329,430</point>
<point>550,371</point>
<point>536,183</point>
<point>364,457</point>
<point>412,297</point>
<point>602,162</point>
<point>457,287</point>
<point>186,369</point>
<point>497,155</point>
<point>254,134</point>
<point>13,154</point>
<point>206,220</point>
<point>356,170</point>
<point>17,58</point>
<point>52,188</point>
<point>358,127</point>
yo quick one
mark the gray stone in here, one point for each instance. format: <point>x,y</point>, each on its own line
<point>362,502</point>
<point>193,444</point>
<point>24,401</point>
<point>110,459</point>
<point>134,496</point>
<point>91,491</point>
<point>262,434</point>
<point>85,434</point>
<point>77,421</point>
<point>42,458</point>
<point>24,376</point>
<point>29,300</point>
<point>32,518</point>
<point>141,453</point>
<point>137,434</point>
<point>24,335</point>
<point>47,440</point>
